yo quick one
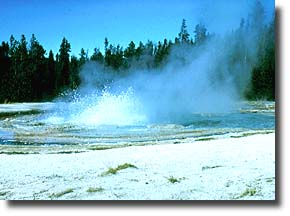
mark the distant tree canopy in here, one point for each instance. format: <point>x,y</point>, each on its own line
<point>263,75</point>
<point>200,34</point>
<point>183,35</point>
<point>27,74</point>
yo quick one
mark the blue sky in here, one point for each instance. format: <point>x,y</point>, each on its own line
<point>85,23</point>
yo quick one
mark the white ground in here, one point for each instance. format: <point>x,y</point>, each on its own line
<point>231,168</point>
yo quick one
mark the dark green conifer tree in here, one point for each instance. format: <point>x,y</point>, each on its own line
<point>64,64</point>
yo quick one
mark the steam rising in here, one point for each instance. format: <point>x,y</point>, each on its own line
<point>198,79</point>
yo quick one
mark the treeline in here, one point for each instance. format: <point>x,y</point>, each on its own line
<point>28,74</point>
<point>262,83</point>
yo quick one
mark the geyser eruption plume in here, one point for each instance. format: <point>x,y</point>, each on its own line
<point>108,108</point>
<point>195,79</point>
<point>169,95</point>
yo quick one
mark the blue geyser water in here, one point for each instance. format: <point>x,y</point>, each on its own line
<point>107,111</point>
<point>75,123</point>
<point>127,108</point>
<point>100,108</point>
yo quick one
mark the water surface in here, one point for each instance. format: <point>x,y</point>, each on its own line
<point>37,128</point>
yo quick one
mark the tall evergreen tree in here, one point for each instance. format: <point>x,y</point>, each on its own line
<point>97,56</point>
<point>183,34</point>
<point>140,50</point>
<point>20,82</point>
<point>158,54</point>
<point>75,67</point>
<point>130,51</point>
<point>83,57</point>
<point>262,84</point>
<point>64,64</point>
<point>4,72</point>
<point>51,66</point>
<point>200,34</point>
<point>38,72</point>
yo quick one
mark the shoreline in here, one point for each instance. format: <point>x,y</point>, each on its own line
<point>222,169</point>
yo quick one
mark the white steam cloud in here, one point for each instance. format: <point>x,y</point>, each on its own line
<point>203,79</point>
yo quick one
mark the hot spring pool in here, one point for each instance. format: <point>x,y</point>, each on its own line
<point>45,128</point>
